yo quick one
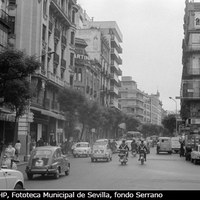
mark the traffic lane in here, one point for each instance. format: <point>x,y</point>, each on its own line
<point>159,172</point>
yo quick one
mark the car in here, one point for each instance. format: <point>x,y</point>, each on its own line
<point>82,149</point>
<point>47,160</point>
<point>11,179</point>
<point>102,141</point>
<point>100,151</point>
<point>164,145</point>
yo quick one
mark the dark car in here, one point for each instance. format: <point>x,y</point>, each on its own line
<point>47,160</point>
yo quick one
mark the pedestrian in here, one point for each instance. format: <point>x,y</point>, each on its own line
<point>53,142</point>
<point>32,145</point>
<point>17,148</point>
<point>40,142</point>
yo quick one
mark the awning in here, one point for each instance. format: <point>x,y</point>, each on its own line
<point>7,117</point>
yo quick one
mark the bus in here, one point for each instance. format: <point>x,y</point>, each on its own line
<point>130,135</point>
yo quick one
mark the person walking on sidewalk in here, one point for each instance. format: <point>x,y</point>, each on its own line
<point>17,148</point>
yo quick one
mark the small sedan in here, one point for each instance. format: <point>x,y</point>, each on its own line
<point>11,179</point>
<point>82,149</point>
<point>101,152</point>
<point>47,160</point>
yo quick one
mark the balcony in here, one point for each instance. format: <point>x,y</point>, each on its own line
<point>114,77</point>
<point>191,72</point>
<point>4,18</point>
<point>114,89</point>
<point>59,13</point>
<point>192,48</point>
<point>55,79</point>
<point>56,58</point>
<point>190,89</point>
<point>56,34</point>
<point>63,63</point>
<point>81,62</point>
<point>115,44</point>
<point>64,40</point>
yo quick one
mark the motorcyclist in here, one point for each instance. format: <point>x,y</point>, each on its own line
<point>134,146</point>
<point>142,149</point>
<point>124,146</point>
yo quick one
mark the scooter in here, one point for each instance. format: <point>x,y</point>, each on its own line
<point>142,157</point>
<point>134,153</point>
<point>123,157</point>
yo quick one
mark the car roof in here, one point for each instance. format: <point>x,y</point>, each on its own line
<point>52,148</point>
<point>82,143</point>
<point>164,138</point>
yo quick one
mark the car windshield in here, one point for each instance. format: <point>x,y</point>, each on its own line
<point>82,145</point>
<point>101,142</point>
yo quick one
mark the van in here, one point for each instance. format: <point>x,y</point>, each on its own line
<point>175,143</point>
<point>164,145</point>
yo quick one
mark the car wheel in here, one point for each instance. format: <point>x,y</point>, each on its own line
<point>110,158</point>
<point>195,161</point>
<point>18,186</point>
<point>57,174</point>
<point>92,160</point>
<point>30,176</point>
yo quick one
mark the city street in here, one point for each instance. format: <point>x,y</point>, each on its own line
<point>160,172</point>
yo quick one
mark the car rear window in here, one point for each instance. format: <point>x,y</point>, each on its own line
<point>42,153</point>
<point>82,145</point>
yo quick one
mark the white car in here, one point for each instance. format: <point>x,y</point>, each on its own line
<point>81,149</point>
<point>11,179</point>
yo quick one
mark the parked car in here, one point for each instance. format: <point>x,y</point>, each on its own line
<point>175,143</point>
<point>100,151</point>
<point>164,145</point>
<point>47,160</point>
<point>82,149</point>
<point>11,179</point>
<point>195,154</point>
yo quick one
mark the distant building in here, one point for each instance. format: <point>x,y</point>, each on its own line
<point>146,108</point>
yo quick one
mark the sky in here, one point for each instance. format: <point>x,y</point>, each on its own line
<point>152,42</point>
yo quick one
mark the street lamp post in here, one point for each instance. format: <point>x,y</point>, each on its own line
<point>176,112</point>
<point>26,157</point>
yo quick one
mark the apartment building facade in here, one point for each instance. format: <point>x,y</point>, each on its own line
<point>147,108</point>
<point>98,51</point>
<point>87,73</point>
<point>114,36</point>
<point>190,83</point>
<point>45,29</point>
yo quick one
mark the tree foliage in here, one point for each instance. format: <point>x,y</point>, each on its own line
<point>15,69</point>
<point>169,122</point>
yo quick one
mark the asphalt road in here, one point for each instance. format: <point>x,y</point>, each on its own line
<point>160,172</point>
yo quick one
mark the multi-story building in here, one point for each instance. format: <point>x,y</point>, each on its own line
<point>190,85</point>
<point>87,74</point>
<point>146,108</point>
<point>98,50</point>
<point>156,109</point>
<point>4,24</point>
<point>113,34</point>
<point>46,29</point>
<point>131,98</point>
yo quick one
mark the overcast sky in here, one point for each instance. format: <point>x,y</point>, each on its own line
<point>152,42</point>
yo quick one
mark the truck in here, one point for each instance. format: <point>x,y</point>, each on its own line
<point>195,154</point>
<point>175,144</point>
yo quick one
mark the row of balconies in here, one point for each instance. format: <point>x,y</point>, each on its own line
<point>114,67</point>
<point>4,18</point>
<point>190,89</point>
<point>115,56</point>
<point>115,43</point>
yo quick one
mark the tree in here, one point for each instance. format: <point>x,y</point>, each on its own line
<point>169,122</point>
<point>71,101</point>
<point>151,129</point>
<point>132,123</point>
<point>16,68</point>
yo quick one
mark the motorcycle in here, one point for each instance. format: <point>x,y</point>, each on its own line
<point>134,153</point>
<point>142,159</point>
<point>123,157</point>
<point>8,163</point>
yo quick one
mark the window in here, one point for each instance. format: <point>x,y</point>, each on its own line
<point>3,38</point>
<point>62,73</point>
<point>44,32</point>
<point>12,2</point>
<point>72,37</point>
<point>55,70</point>
<point>71,80</point>
<point>12,25</point>
<point>45,7</point>
<point>80,75</point>
<point>43,62</point>
<point>71,59</point>
<point>73,16</point>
